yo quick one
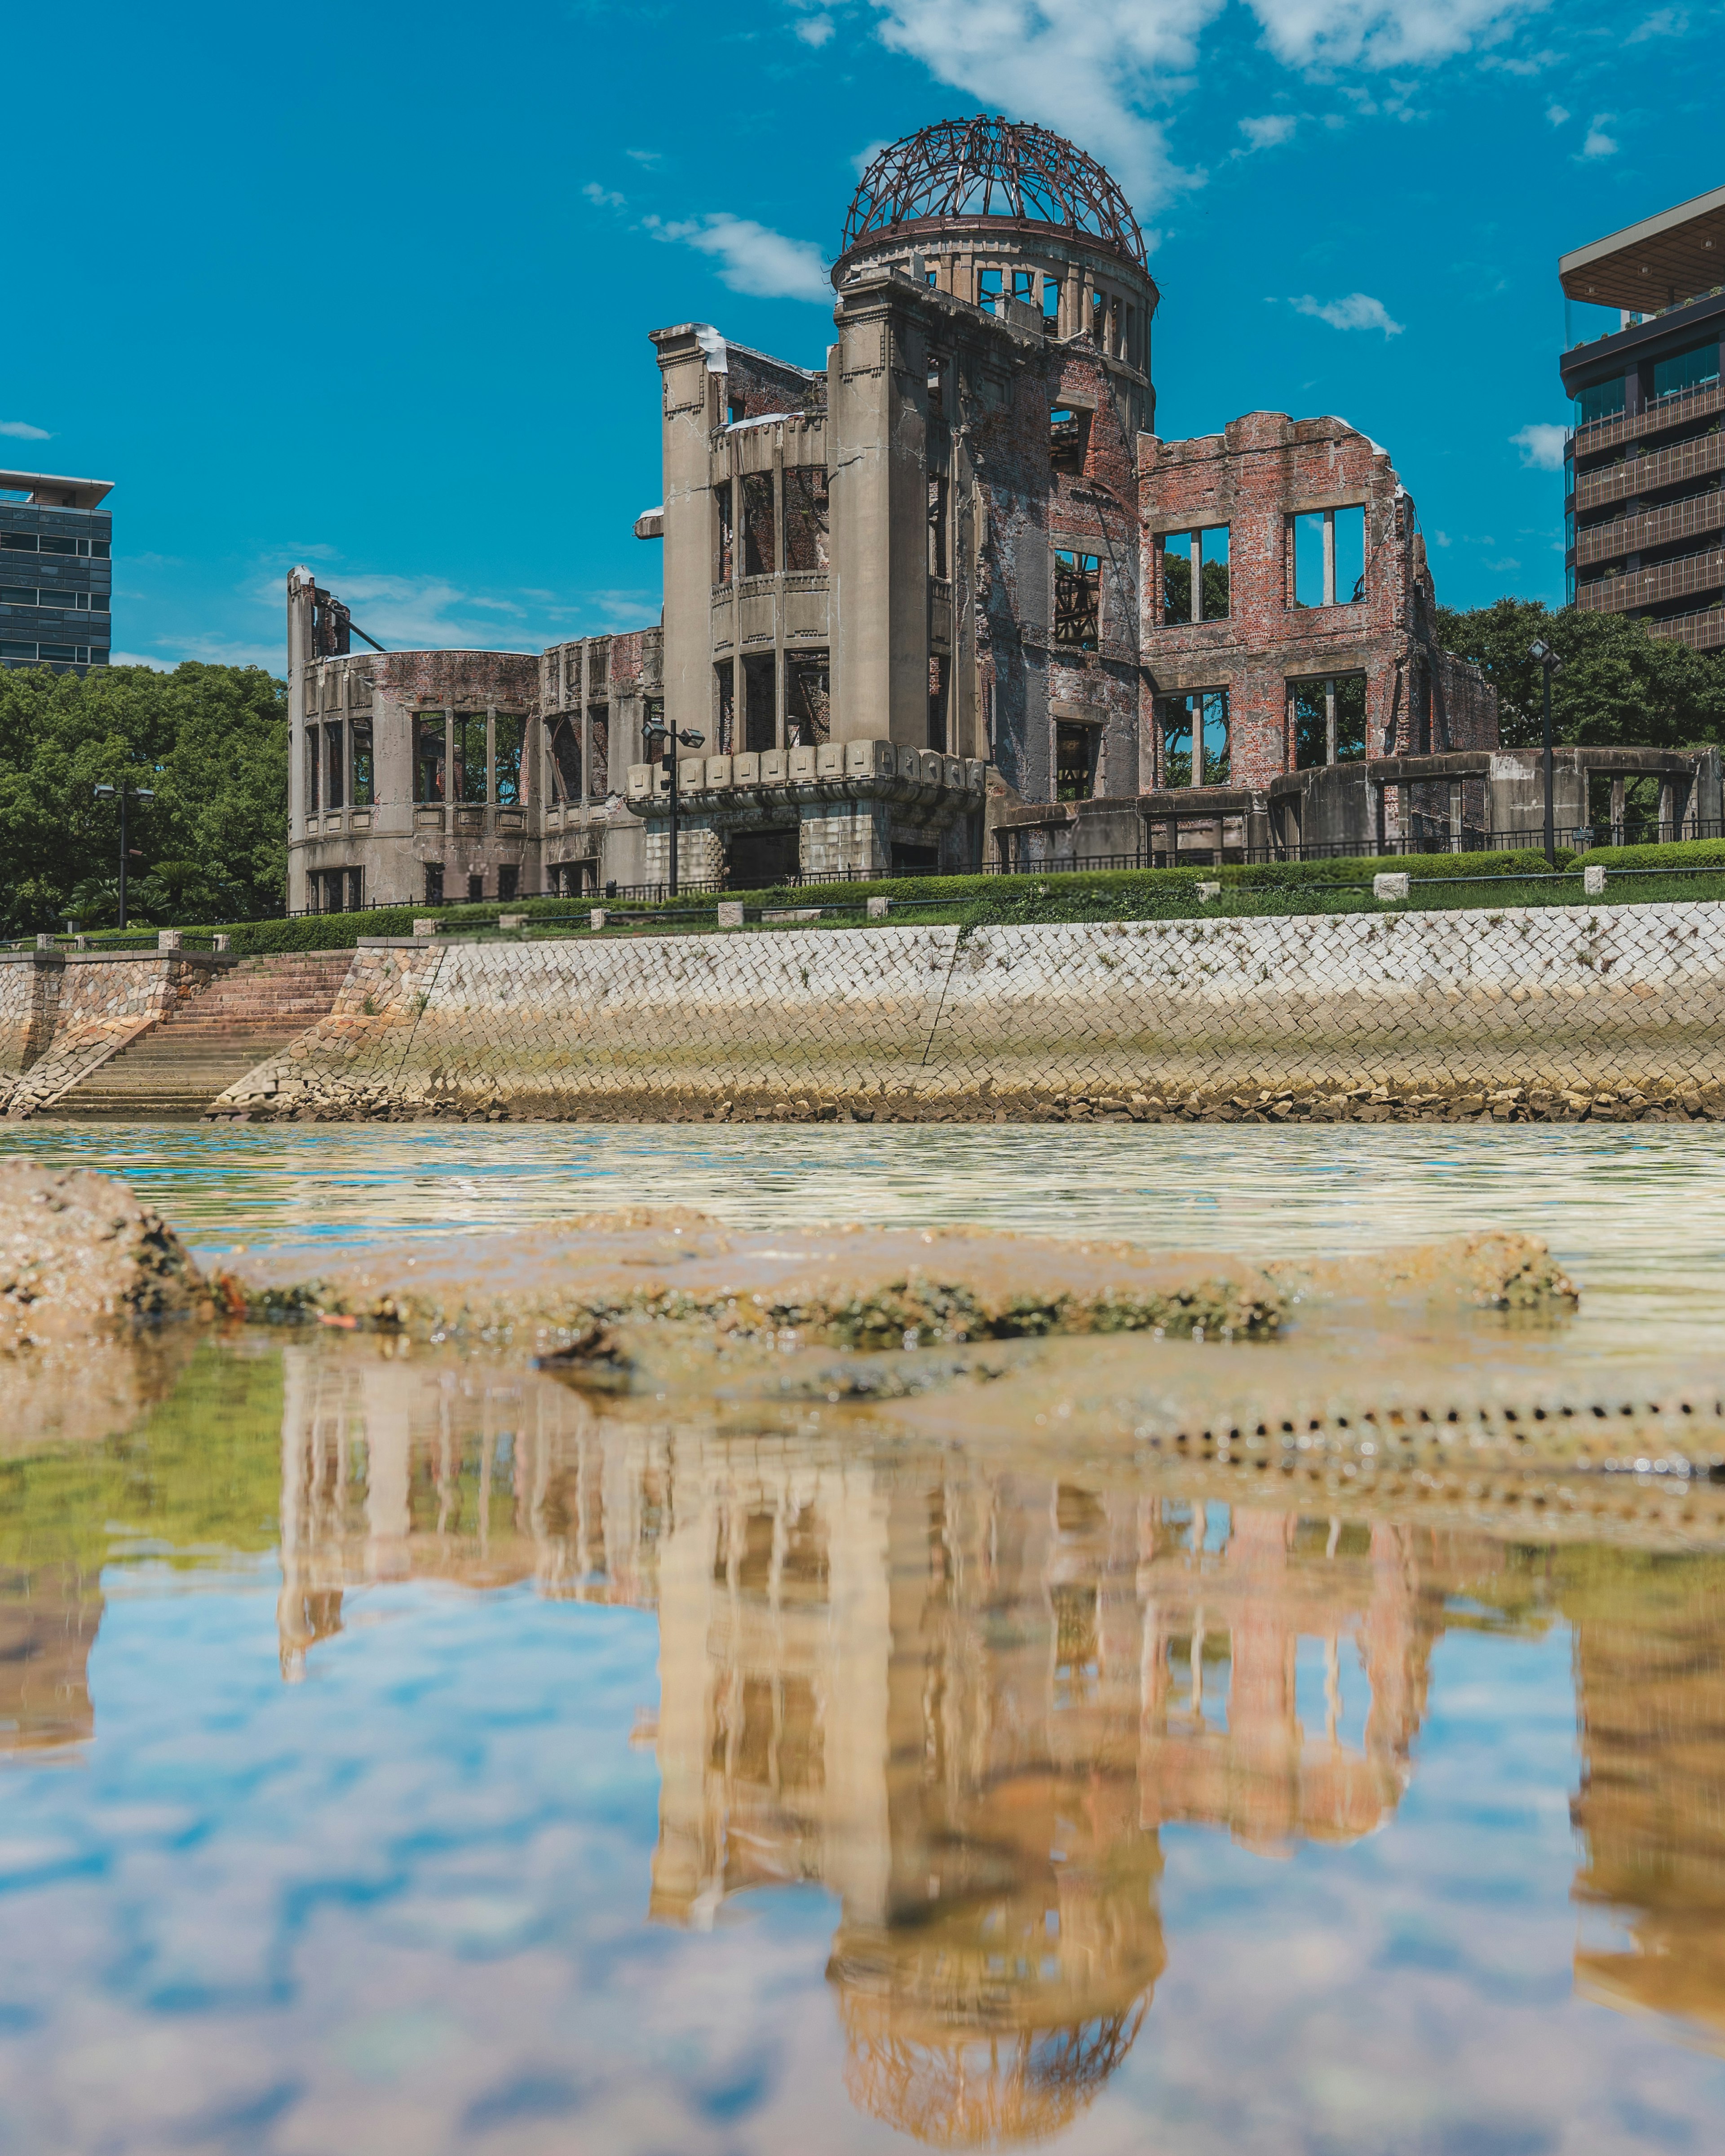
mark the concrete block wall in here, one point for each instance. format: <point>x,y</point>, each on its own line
<point>1584,1010</point>
<point>103,1003</point>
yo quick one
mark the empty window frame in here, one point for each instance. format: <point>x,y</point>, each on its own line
<point>506,731</point>
<point>434,883</point>
<point>476,886</point>
<point>469,732</point>
<point>312,763</point>
<point>808,699</point>
<point>937,524</point>
<point>1076,752</point>
<point>361,765</point>
<point>1078,601</point>
<point>1195,575</point>
<point>1024,287</point>
<point>565,760</point>
<point>1068,439</point>
<point>758,553</point>
<point>1050,303</point>
<point>724,535</point>
<point>509,881</point>
<point>760,716</point>
<point>598,751</point>
<point>653,743</point>
<point>428,757</point>
<point>724,708</point>
<point>1329,547</point>
<point>940,672</point>
<point>1326,720</point>
<point>335,766</point>
<point>1196,741</point>
<point>988,291</point>
<point>806,519</point>
<point>1099,321</point>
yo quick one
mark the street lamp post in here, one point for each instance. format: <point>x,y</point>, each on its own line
<point>1549,664</point>
<point>124,792</point>
<point>689,739</point>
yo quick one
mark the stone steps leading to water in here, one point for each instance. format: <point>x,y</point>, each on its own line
<point>172,1072</point>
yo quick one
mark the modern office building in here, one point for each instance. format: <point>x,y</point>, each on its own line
<point>56,577</point>
<point>1644,513</point>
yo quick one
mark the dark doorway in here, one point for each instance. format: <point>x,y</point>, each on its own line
<point>915,860</point>
<point>1075,763</point>
<point>756,860</point>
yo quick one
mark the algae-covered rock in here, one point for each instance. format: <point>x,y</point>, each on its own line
<point>80,1255</point>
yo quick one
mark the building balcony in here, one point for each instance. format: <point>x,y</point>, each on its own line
<point>1637,475</point>
<point>1703,630</point>
<point>1689,574</point>
<point>1665,412</point>
<point>1653,527</point>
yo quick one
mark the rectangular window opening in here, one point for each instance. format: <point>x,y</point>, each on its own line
<point>1068,439</point>
<point>1195,575</point>
<point>653,744</point>
<point>1196,745</point>
<point>939,671</point>
<point>725,535</point>
<point>565,761</point>
<point>509,881</point>
<point>434,883</point>
<point>334,763</point>
<point>476,886</point>
<point>1075,761</point>
<point>760,719</point>
<point>988,290</point>
<point>507,730</point>
<point>1024,286</point>
<point>808,701</point>
<point>1326,720</point>
<point>725,721</point>
<point>1329,549</point>
<point>937,524</point>
<point>311,770</point>
<point>806,519</point>
<point>428,757</point>
<point>356,890</point>
<point>1050,302</point>
<point>598,751</point>
<point>758,550</point>
<point>1078,601</point>
<point>470,759</point>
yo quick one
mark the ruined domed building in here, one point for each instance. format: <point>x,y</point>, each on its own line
<point>946,599</point>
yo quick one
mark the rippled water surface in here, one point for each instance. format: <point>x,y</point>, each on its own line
<point>405,1753</point>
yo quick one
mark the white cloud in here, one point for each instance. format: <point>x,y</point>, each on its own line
<point>752,258</point>
<point>1358,311</point>
<point>864,158</point>
<point>1557,114</point>
<point>1541,445</point>
<point>815,29</point>
<point>604,198</point>
<point>425,614</point>
<point>1599,143</point>
<point>1663,23</point>
<point>644,156</point>
<point>138,659</point>
<point>1441,537</point>
<point>1265,133</point>
<point>21,430</point>
<point>1096,68</point>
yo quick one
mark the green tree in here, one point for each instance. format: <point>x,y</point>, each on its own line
<point>1619,686</point>
<point>210,741</point>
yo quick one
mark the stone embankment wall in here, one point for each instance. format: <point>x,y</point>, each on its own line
<point>1611,1012</point>
<point>62,1015</point>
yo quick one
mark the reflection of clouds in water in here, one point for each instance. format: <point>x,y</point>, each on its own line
<point>1018,1806</point>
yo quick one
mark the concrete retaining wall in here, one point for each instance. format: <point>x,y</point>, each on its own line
<point>63,1014</point>
<point>1614,1008</point>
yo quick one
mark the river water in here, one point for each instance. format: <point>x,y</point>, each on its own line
<point>409,1753</point>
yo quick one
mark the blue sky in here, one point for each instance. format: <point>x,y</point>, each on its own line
<point>370,287</point>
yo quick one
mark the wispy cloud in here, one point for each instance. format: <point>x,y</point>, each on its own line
<point>648,157</point>
<point>815,29</point>
<point>1599,143</point>
<point>604,198</point>
<point>21,430</point>
<point>1357,311</point>
<point>1557,114</point>
<point>1102,71</point>
<point>1265,134</point>
<point>1663,23</point>
<point>1541,445</point>
<point>752,258</point>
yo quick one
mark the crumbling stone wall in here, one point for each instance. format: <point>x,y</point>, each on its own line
<point>103,1004</point>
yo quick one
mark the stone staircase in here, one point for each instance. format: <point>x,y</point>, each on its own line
<point>250,1011</point>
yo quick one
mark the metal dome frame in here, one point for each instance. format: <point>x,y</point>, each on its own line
<point>994,170</point>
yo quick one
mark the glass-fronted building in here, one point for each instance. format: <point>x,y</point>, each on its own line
<point>56,574</point>
<point>1644,471</point>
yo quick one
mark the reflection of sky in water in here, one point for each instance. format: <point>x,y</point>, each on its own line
<point>1637,1210</point>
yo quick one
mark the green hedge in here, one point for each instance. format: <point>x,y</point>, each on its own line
<point>1282,887</point>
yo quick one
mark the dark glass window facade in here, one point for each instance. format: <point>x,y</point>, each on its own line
<point>56,582</point>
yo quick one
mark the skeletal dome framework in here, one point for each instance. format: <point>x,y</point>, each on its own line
<point>995,170</point>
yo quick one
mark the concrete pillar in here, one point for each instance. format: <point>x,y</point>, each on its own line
<point>878,457</point>
<point>692,360</point>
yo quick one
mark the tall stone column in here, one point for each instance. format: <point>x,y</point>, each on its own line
<point>691,363</point>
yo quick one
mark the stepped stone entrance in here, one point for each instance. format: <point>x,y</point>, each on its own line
<point>250,1011</point>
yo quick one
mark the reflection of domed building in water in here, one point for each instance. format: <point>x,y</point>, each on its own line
<point>966,1700</point>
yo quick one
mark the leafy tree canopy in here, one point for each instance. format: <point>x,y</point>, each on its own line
<point>1619,686</point>
<point>211,741</point>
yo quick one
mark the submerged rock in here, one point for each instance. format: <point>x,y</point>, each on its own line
<point>80,1255</point>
